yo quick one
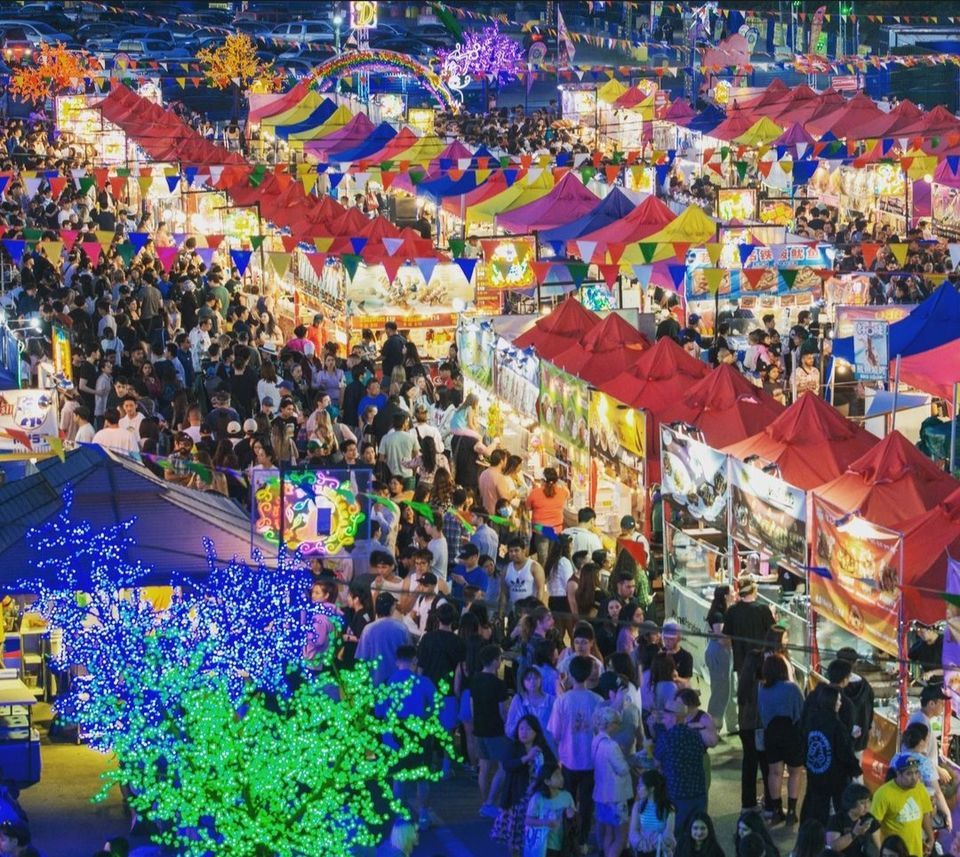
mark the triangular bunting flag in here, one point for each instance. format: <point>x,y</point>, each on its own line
<point>869,253</point>
<point>358,244</point>
<point>280,262</point>
<point>206,254</point>
<point>93,251</point>
<point>69,237</point>
<point>426,266</point>
<point>317,261</point>
<point>256,241</point>
<point>899,253</point>
<point>578,272</point>
<point>167,256</point>
<point>15,248</point>
<point>138,240</point>
<point>241,260</point>
<point>746,251</point>
<point>609,274</point>
<point>541,270</point>
<point>214,241</point>
<point>642,273</point>
<point>714,277</point>
<point>467,266</point>
<point>126,252</point>
<point>789,276</point>
<point>456,246</point>
<point>350,264</point>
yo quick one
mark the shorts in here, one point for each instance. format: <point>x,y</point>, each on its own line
<point>495,749</point>
<point>613,814</point>
<point>784,743</point>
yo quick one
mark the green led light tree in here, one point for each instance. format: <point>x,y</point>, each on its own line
<point>227,751</point>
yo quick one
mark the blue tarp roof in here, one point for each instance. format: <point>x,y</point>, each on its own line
<point>379,137</point>
<point>933,323</point>
<point>171,520</point>
<point>444,186</point>
<point>321,113</point>
<point>613,206</point>
<point>707,119</point>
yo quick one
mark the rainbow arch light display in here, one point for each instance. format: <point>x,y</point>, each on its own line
<point>386,61</point>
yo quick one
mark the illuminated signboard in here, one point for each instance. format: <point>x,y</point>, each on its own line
<point>363,14</point>
<point>507,263</point>
<point>62,353</point>
<point>319,510</point>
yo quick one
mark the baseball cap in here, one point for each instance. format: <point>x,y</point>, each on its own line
<point>268,401</point>
<point>693,318</point>
<point>184,437</point>
<point>249,424</point>
<point>469,550</point>
<point>903,762</point>
<point>648,627</point>
<point>313,443</point>
<point>931,693</point>
<point>671,627</point>
<point>234,428</point>
<point>627,522</point>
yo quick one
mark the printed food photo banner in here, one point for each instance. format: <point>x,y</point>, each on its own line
<point>693,476</point>
<point>616,429</point>
<point>475,343</point>
<point>517,378</point>
<point>767,514</point>
<point>564,406</point>
<point>855,575</point>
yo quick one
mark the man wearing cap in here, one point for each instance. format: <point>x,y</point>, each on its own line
<point>746,622</point>
<point>670,638</point>
<point>178,462</point>
<point>220,414</point>
<point>584,537</point>
<point>902,807</point>
<point>427,600</point>
<point>380,640</point>
<point>467,572</point>
<point>422,427</point>
<point>630,536</point>
<point>931,705</point>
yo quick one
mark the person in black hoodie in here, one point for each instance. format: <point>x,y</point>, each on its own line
<point>861,696</point>
<point>830,761</point>
<point>838,676</point>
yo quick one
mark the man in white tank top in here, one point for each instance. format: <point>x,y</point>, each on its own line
<point>523,577</point>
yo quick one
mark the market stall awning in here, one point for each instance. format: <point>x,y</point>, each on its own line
<point>422,151</point>
<point>649,217</point>
<point>359,149</point>
<point>733,126</point>
<point>775,91</point>
<point>460,182</point>
<point>521,192</point>
<point>611,91</point>
<point>263,105</point>
<point>494,184</point>
<point>808,109</point>
<point>297,113</point>
<point>934,371</point>
<point>809,443</point>
<point>707,119</point>
<point>358,129</point>
<point>892,483</point>
<point>614,206</point>
<point>889,124</point>
<point>446,160</point>
<point>336,121</point>
<point>847,119</point>
<point>109,489</point>
<point>762,131</point>
<point>607,349</point>
<point>929,541</point>
<point>658,378</point>
<point>938,122</point>
<point>795,135</point>
<point>933,323</point>
<point>320,114</point>
<point>400,142</point>
<point>679,112</point>
<point>567,200</point>
<point>692,226</point>
<point>555,332</point>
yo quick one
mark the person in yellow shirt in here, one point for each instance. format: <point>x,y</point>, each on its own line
<point>902,807</point>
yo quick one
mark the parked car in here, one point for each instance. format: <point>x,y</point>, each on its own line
<point>409,44</point>
<point>15,45</point>
<point>151,49</point>
<point>386,31</point>
<point>95,31</point>
<point>303,32</point>
<point>111,44</point>
<point>313,53</point>
<point>38,31</point>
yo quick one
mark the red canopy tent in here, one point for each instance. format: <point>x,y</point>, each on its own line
<point>928,541</point>
<point>893,482</point>
<point>774,92</point>
<point>938,122</point>
<point>274,105</point>
<point>648,217</point>
<point>889,124</point>
<point>606,349</point>
<point>657,378</point>
<point>805,110</point>
<point>679,112</point>
<point>557,331</point>
<point>810,442</point>
<point>567,201</point>
<point>734,125</point>
<point>457,205</point>
<point>847,119</point>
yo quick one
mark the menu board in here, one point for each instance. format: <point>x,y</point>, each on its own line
<point>615,428</point>
<point>768,514</point>
<point>694,476</point>
<point>476,346</point>
<point>564,405</point>
<point>736,203</point>
<point>517,378</point>
<point>855,575</point>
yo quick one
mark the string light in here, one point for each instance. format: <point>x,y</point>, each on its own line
<point>223,735</point>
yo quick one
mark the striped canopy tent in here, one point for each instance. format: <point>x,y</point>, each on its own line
<point>297,113</point>
<point>355,131</point>
<point>358,149</point>
<point>567,200</point>
<point>423,151</point>
<point>531,188</point>
<point>263,105</point>
<point>337,121</point>
<point>323,111</point>
<point>446,160</point>
<point>495,184</point>
<point>613,207</point>
<point>403,140</point>
<point>650,216</point>
<point>693,226</point>
<point>679,112</point>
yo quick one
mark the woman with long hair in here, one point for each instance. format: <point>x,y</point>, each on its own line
<point>660,687</point>
<point>650,833</point>
<point>441,495</point>
<point>546,502</point>
<point>268,385</point>
<point>530,700</point>
<point>429,461</point>
<point>719,655</point>
<point>780,706</point>
<point>558,569</point>
<point>752,822</point>
<point>358,614</point>
<point>463,422</point>
<point>528,754</point>
<point>611,785</point>
<point>699,838</point>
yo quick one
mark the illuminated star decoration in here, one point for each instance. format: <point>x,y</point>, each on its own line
<point>223,735</point>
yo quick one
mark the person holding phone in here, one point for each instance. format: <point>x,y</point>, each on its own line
<point>849,830</point>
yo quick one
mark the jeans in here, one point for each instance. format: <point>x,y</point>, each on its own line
<point>753,760</point>
<point>719,661</point>
<point>580,786</point>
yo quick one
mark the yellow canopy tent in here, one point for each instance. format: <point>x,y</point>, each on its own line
<point>761,132</point>
<point>423,151</point>
<point>520,193</point>
<point>611,91</point>
<point>300,111</point>
<point>645,108</point>
<point>340,117</point>
<point>693,226</point>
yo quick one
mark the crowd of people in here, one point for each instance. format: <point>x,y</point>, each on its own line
<point>577,706</point>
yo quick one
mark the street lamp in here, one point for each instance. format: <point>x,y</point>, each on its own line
<point>337,23</point>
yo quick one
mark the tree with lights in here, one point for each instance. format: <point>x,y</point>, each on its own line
<point>487,54</point>
<point>224,737</point>
<point>235,64</point>
<point>54,70</point>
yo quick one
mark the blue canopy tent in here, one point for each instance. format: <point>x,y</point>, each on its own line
<point>321,114</point>
<point>933,323</point>
<point>444,185</point>
<point>707,119</point>
<point>171,520</point>
<point>613,206</point>
<point>378,138</point>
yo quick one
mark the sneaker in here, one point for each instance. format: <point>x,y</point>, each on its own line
<point>776,817</point>
<point>489,811</point>
<point>791,818</point>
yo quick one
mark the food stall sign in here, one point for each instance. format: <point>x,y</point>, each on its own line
<point>517,378</point>
<point>62,352</point>
<point>32,412</point>
<point>564,406</point>
<point>767,513</point>
<point>855,575</point>
<point>694,476</point>
<point>615,428</point>
<point>475,342</point>
<point>871,349</point>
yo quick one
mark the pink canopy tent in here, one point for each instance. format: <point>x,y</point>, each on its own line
<point>774,92</point>
<point>889,124</point>
<point>847,119</point>
<point>556,332</point>
<point>795,135</point>
<point>351,134</point>
<point>567,201</point>
<point>929,540</point>
<point>805,109</point>
<point>606,349</point>
<point>264,105</point>
<point>679,112</point>
<point>734,125</point>
<point>934,371</point>
<point>648,217</point>
<point>938,122</point>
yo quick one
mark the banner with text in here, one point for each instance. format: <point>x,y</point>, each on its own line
<point>694,476</point>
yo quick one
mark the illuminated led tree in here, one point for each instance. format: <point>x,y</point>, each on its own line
<point>54,70</point>
<point>223,735</point>
<point>235,64</point>
<point>487,54</point>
